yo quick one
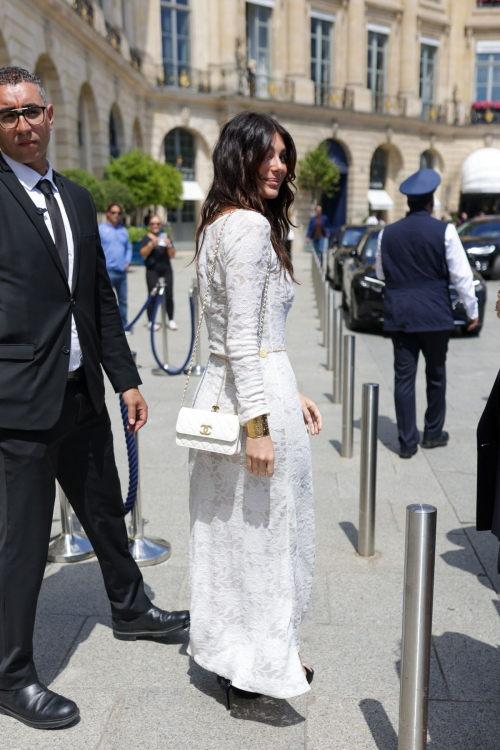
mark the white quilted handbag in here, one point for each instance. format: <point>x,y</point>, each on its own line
<point>210,430</point>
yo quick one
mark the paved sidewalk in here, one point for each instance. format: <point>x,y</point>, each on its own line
<point>149,694</point>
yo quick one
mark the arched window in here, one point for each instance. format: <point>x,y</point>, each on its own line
<point>114,150</point>
<point>428,160</point>
<point>378,169</point>
<point>180,152</point>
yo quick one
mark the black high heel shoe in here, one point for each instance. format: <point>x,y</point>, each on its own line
<point>309,674</point>
<point>226,686</point>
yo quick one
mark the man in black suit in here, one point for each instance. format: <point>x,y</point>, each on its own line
<point>59,323</point>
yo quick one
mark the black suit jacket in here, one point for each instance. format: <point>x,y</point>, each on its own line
<point>36,305</point>
<point>488,466</point>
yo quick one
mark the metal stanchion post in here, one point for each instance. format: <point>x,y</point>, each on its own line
<point>145,551</point>
<point>198,369</point>
<point>368,472</point>
<point>164,340</point>
<point>331,325</point>
<point>417,625</point>
<point>337,356</point>
<point>326,293</point>
<point>348,396</point>
<point>68,546</point>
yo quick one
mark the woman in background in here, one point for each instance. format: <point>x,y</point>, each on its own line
<point>157,249</point>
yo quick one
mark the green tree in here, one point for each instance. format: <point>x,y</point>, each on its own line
<point>117,191</point>
<point>318,174</point>
<point>91,183</point>
<point>150,182</point>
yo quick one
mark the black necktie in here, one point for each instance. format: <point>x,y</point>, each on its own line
<point>61,242</point>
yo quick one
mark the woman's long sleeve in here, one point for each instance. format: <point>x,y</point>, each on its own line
<point>245,262</point>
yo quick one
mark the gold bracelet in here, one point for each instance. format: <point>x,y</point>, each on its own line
<point>258,427</point>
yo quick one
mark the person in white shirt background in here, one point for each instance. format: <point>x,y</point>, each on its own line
<point>417,257</point>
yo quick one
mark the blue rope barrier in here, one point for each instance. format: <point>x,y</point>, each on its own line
<point>129,326</point>
<point>133,460</point>
<point>161,364</point>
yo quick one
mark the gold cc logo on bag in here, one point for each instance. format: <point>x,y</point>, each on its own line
<point>205,429</point>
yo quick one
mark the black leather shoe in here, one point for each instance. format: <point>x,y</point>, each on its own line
<point>408,453</point>
<point>155,622</point>
<point>437,442</point>
<point>38,707</point>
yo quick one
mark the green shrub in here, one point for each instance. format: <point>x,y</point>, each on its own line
<point>150,182</point>
<point>136,233</point>
<point>318,174</point>
<point>117,191</point>
<point>91,183</point>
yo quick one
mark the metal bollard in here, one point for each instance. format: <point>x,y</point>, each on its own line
<point>164,340</point>
<point>145,551</point>
<point>417,625</point>
<point>330,344</point>
<point>348,396</point>
<point>326,294</point>
<point>368,471</point>
<point>68,546</point>
<point>198,369</point>
<point>337,356</point>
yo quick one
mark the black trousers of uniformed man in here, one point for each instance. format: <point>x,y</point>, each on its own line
<point>78,451</point>
<point>407,347</point>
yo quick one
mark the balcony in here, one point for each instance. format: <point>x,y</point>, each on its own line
<point>85,10</point>
<point>135,58</point>
<point>183,77</point>
<point>388,105</point>
<point>488,3</point>
<point>113,37</point>
<point>328,96</point>
<point>265,87</point>
<point>485,113</point>
<point>434,112</point>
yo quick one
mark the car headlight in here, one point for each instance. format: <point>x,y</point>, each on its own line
<point>370,283</point>
<point>482,250</point>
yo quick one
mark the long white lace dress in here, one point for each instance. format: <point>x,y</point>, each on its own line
<point>252,538</point>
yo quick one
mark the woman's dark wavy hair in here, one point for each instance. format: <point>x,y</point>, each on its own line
<point>242,147</point>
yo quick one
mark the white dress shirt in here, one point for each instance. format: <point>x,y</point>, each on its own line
<point>458,267</point>
<point>29,179</point>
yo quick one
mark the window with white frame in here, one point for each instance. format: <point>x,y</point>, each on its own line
<point>487,82</point>
<point>321,49</point>
<point>428,66</point>
<point>176,42</point>
<point>378,45</point>
<point>259,60</point>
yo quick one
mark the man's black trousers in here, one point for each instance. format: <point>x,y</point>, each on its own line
<point>407,347</point>
<point>78,452</point>
<point>152,278</point>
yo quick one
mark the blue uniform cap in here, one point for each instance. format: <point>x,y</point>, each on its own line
<point>422,183</point>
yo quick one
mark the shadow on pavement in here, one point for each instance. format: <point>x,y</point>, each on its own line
<point>379,724</point>
<point>351,532</point>
<point>265,710</point>
<point>461,558</point>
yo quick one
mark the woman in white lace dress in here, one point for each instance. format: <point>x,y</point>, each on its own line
<point>252,519</point>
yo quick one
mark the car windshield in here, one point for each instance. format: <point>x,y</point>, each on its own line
<point>483,229</point>
<point>370,249</point>
<point>351,236</point>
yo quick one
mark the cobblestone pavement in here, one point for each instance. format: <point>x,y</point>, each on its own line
<point>149,694</point>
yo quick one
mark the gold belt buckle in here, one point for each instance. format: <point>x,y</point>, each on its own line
<point>262,352</point>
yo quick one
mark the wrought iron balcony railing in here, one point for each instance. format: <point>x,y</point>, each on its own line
<point>329,96</point>
<point>183,77</point>
<point>113,37</point>
<point>265,87</point>
<point>434,112</point>
<point>485,115</point>
<point>135,58</point>
<point>488,3</point>
<point>85,10</point>
<point>388,105</point>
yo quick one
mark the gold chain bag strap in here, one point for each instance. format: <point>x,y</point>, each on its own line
<point>214,431</point>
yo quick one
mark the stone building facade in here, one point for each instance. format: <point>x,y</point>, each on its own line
<point>390,84</point>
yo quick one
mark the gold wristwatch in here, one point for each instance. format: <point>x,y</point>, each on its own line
<point>258,427</point>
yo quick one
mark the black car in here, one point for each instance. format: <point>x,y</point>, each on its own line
<point>481,240</point>
<point>346,240</point>
<point>363,293</point>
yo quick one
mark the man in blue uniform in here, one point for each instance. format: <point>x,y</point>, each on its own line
<point>418,256</point>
